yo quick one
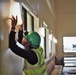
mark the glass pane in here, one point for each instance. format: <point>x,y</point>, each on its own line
<point>29,22</point>
<point>49,46</point>
<point>42,45</point>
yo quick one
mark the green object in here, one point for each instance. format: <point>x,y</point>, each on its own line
<point>33,38</point>
<point>39,68</point>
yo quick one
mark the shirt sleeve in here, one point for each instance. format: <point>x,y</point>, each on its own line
<point>30,55</point>
<point>20,36</point>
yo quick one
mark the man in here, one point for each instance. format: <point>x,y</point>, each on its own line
<point>32,52</point>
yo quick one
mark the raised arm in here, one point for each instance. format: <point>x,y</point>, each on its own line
<point>28,55</point>
<point>20,33</point>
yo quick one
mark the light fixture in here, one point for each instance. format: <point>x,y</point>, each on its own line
<point>15,10</point>
<point>42,31</point>
<point>50,36</point>
<point>54,39</point>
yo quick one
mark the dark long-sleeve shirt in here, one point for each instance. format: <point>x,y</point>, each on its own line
<point>30,55</point>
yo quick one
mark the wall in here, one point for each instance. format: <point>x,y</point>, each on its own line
<point>65,21</point>
<point>11,64</point>
<point>4,29</point>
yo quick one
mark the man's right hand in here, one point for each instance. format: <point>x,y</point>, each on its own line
<point>13,21</point>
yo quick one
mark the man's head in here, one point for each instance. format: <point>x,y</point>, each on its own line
<point>33,39</point>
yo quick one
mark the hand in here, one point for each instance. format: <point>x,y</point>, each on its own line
<point>13,21</point>
<point>21,26</point>
<point>26,32</point>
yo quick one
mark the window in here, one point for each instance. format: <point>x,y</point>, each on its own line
<point>42,45</point>
<point>30,23</point>
<point>50,47</point>
<point>50,44</point>
<point>28,20</point>
<point>43,41</point>
<point>69,44</point>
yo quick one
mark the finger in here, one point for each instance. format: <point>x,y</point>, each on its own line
<point>16,18</point>
<point>13,17</point>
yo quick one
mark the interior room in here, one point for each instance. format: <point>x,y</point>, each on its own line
<point>54,21</point>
